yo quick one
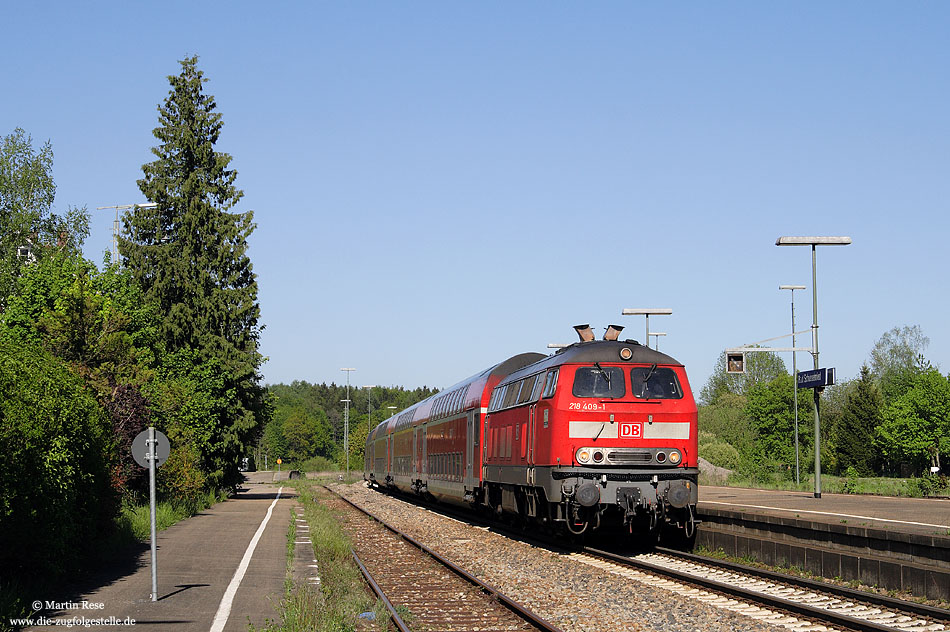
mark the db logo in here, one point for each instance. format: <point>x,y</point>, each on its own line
<point>630,430</point>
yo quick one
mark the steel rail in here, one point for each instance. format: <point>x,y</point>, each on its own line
<point>815,585</point>
<point>824,615</point>
<point>494,593</point>
<point>770,601</point>
<point>396,619</point>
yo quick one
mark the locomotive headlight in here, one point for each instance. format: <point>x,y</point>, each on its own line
<point>675,457</point>
<point>583,455</point>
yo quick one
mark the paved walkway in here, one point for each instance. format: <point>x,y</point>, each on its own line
<point>198,566</point>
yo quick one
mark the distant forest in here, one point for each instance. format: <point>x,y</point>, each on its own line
<point>307,420</point>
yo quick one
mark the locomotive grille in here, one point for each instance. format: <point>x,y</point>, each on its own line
<point>637,456</point>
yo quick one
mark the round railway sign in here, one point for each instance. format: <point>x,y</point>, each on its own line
<point>140,448</point>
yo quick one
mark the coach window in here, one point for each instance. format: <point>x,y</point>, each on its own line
<point>598,381</point>
<point>655,383</point>
<point>493,402</point>
<point>511,395</point>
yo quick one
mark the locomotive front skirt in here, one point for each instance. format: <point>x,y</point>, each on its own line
<point>601,434</point>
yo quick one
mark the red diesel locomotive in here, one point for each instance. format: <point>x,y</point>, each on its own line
<point>600,434</point>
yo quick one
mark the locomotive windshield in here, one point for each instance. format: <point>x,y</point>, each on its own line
<point>598,381</point>
<point>655,383</point>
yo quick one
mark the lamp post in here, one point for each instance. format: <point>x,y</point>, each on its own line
<point>648,311</point>
<point>369,404</point>
<point>656,343</point>
<point>794,375</point>
<point>346,422</point>
<point>814,242</point>
<point>115,223</point>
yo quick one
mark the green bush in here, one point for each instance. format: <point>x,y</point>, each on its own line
<point>57,447</point>
<point>721,454</point>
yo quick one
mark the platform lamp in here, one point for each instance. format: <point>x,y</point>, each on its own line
<point>814,242</point>
<point>795,376</point>
<point>648,311</point>
<point>346,422</point>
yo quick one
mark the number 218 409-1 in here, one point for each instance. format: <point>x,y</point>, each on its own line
<point>592,406</point>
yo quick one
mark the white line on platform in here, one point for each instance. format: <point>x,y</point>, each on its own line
<point>827,513</point>
<point>224,608</point>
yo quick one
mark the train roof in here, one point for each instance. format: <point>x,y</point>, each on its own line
<point>596,351</point>
<point>467,397</point>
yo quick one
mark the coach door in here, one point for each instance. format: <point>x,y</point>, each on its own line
<point>415,452</point>
<point>425,452</point>
<point>470,449</point>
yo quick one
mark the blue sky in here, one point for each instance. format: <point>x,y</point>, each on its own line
<point>439,186</point>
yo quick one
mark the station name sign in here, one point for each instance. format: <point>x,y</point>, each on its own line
<point>816,378</point>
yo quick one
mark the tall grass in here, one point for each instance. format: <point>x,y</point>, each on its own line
<point>133,522</point>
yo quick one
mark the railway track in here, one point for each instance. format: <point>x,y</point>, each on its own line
<point>776,598</point>
<point>780,599</point>
<point>423,591</point>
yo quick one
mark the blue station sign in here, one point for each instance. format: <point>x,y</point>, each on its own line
<point>816,378</point>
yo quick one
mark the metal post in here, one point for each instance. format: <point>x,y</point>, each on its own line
<point>814,242</point>
<point>795,392</point>
<point>795,377</point>
<point>648,330</point>
<point>152,455</point>
<point>814,345</point>
<point>346,422</point>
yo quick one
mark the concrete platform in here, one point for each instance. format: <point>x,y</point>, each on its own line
<point>198,561</point>
<point>922,516</point>
<point>895,543</point>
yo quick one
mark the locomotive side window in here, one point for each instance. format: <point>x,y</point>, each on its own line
<point>538,385</point>
<point>655,383</point>
<point>598,381</point>
<point>550,383</point>
<point>527,388</point>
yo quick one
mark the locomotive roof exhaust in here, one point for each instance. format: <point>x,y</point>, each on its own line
<point>585,333</point>
<point>613,332</point>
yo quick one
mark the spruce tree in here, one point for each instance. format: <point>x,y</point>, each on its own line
<point>855,431</point>
<point>189,253</point>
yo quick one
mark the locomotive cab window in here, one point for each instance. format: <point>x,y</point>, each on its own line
<point>598,381</point>
<point>655,383</point>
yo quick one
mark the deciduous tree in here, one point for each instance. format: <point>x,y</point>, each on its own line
<point>27,224</point>
<point>916,425</point>
<point>761,367</point>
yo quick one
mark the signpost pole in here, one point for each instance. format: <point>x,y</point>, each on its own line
<point>152,455</point>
